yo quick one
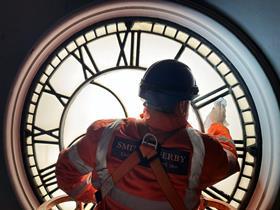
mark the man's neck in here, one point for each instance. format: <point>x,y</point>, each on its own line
<point>164,121</point>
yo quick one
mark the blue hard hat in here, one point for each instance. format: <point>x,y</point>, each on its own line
<point>167,82</point>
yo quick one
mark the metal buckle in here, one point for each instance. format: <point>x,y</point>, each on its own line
<point>151,140</point>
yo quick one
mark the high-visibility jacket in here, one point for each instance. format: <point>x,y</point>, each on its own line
<point>192,160</point>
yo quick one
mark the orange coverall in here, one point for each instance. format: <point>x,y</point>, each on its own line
<point>80,170</point>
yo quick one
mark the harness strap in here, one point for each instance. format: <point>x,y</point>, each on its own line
<point>147,151</point>
<point>129,163</point>
<point>143,154</point>
<point>163,180</point>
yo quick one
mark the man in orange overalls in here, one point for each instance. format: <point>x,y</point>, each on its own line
<point>157,162</point>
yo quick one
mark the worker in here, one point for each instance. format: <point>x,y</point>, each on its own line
<point>156,162</point>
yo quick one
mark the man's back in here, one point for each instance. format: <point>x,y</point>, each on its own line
<point>158,162</point>
<point>139,186</point>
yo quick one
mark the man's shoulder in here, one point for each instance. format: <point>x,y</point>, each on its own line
<point>100,124</point>
<point>103,123</point>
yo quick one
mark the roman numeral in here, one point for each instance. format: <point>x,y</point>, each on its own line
<point>239,145</point>
<point>135,48</point>
<point>47,175</point>
<point>180,52</point>
<point>80,55</point>
<point>220,193</point>
<point>182,49</point>
<point>91,58</point>
<point>89,206</point>
<point>217,194</point>
<point>48,178</point>
<point>135,38</point>
<point>210,97</point>
<point>61,98</point>
<point>53,136</point>
<point>122,55</point>
<point>252,149</point>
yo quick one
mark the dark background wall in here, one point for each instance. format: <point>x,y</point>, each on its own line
<point>22,23</point>
<point>259,20</point>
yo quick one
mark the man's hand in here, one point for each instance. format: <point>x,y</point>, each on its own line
<point>217,114</point>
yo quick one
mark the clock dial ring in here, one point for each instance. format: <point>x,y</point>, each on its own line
<point>165,12</point>
<point>225,90</point>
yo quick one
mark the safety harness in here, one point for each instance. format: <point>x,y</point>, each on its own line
<point>146,152</point>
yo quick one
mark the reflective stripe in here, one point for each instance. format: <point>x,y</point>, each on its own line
<point>80,188</point>
<point>107,186</point>
<point>102,150</point>
<point>136,202</point>
<point>197,157</point>
<point>225,139</point>
<point>102,147</point>
<point>191,199</point>
<point>75,159</point>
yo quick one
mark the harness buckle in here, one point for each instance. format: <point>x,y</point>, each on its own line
<point>150,140</point>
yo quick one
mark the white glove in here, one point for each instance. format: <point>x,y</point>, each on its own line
<point>217,114</point>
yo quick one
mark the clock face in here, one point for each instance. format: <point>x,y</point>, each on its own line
<point>95,74</point>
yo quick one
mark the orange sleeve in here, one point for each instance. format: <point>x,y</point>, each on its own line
<point>218,129</point>
<point>222,134</point>
<point>75,180</point>
<point>69,179</point>
<point>220,159</point>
